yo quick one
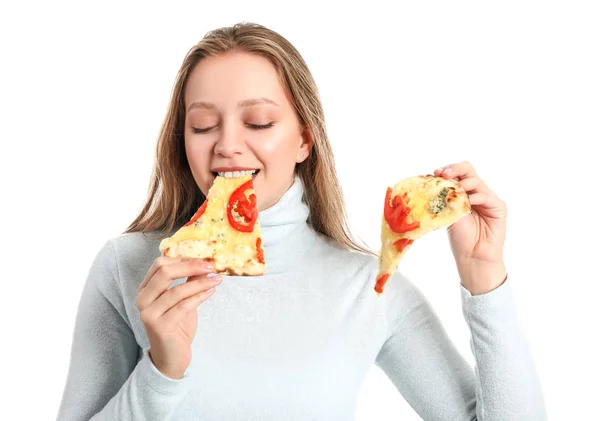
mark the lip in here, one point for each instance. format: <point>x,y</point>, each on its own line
<point>229,169</point>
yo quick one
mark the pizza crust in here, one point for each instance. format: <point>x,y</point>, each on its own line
<point>233,264</point>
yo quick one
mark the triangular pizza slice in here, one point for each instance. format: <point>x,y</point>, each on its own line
<point>225,230</point>
<point>414,207</point>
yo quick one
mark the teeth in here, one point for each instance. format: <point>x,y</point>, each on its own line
<point>235,174</point>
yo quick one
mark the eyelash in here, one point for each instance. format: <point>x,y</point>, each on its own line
<point>252,126</point>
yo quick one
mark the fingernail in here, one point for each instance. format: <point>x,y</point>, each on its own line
<point>215,279</point>
<point>209,266</point>
<point>448,171</point>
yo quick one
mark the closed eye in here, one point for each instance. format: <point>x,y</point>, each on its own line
<point>198,130</point>
<point>260,126</point>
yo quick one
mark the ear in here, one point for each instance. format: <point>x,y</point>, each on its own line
<point>306,145</point>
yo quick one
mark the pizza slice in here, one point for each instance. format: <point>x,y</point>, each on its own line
<point>225,230</point>
<point>414,207</point>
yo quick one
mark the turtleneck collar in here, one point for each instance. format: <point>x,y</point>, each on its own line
<point>285,231</point>
<point>285,216</point>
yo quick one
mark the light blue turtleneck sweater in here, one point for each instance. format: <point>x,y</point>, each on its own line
<point>296,343</point>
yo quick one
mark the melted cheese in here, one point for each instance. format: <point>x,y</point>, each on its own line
<point>422,193</point>
<point>212,237</point>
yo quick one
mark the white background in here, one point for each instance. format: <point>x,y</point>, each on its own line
<point>512,87</point>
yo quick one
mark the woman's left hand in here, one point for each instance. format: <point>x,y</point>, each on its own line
<point>477,239</point>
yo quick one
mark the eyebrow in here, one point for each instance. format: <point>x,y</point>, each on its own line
<point>245,103</point>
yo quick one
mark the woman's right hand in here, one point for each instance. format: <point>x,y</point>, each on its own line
<point>169,315</point>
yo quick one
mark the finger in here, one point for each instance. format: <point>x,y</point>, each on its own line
<point>177,312</point>
<point>488,205</point>
<point>158,263</point>
<point>473,185</point>
<point>166,274</point>
<point>173,296</point>
<point>459,171</point>
<point>167,271</point>
<point>481,199</point>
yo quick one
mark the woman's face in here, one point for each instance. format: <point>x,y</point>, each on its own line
<point>238,117</point>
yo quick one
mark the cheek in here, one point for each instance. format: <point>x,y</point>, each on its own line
<point>197,154</point>
<point>275,150</point>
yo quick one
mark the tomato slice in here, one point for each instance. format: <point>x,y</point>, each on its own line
<point>260,253</point>
<point>241,210</point>
<point>402,243</point>
<point>198,213</point>
<point>396,211</point>
<point>381,281</point>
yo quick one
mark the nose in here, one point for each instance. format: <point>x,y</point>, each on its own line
<point>230,143</point>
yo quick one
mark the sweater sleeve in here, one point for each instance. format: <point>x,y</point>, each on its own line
<point>106,379</point>
<point>427,369</point>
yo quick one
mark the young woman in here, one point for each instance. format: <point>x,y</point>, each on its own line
<point>158,339</point>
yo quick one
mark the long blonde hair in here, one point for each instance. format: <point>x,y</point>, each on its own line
<point>173,195</point>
